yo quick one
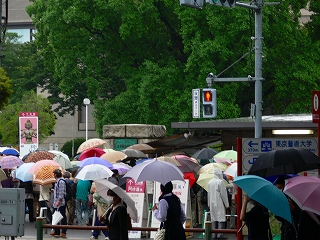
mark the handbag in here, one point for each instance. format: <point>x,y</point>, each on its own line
<point>56,217</point>
<point>160,234</point>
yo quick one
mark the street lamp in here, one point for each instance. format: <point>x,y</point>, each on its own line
<point>86,102</point>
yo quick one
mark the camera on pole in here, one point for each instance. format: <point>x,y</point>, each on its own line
<point>209,103</point>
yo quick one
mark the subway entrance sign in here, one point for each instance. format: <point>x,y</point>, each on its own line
<point>252,148</point>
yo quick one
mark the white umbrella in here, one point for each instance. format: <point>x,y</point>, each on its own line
<point>62,159</point>
<point>93,172</point>
<point>102,187</point>
<point>155,170</point>
<point>232,170</point>
<point>22,172</point>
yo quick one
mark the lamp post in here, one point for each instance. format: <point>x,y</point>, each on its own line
<point>86,102</point>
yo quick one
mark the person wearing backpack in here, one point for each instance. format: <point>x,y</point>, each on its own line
<point>70,198</point>
<point>59,202</point>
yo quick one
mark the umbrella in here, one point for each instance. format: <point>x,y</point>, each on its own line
<point>93,152</point>
<point>205,178</point>
<point>10,152</point>
<point>22,172</point>
<point>44,175</point>
<point>265,193</point>
<point>190,176</point>
<point>205,153</point>
<point>114,156</point>
<point>209,168</point>
<point>91,143</point>
<point>187,164</point>
<point>43,163</point>
<point>121,167</point>
<point>3,148</point>
<point>62,159</point>
<point>94,160</point>
<point>305,191</point>
<point>169,159</point>
<point>3,175</point>
<point>10,162</point>
<point>93,172</point>
<point>232,170</point>
<point>155,170</point>
<point>143,147</point>
<point>39,155</point>
<point>103,185</point>
<point>231,155</point>
<point>133,153</point>
<point>284,161</point>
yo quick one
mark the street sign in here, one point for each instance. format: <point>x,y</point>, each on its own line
<point>252,148</point>
<point>196,103</point>
<point>315,107</point>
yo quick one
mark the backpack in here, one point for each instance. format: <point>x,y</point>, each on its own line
<point>68,195</point>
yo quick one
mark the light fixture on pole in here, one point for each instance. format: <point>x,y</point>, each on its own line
<point>86,102</point>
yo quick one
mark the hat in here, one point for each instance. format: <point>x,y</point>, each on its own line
<point>57,171</point>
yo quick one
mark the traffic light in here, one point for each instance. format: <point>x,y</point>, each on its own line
<point>192,3</point>
<point>224,3</point>
<point>209,106</point>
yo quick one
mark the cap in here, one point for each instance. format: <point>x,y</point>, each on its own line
<point>57,171</point>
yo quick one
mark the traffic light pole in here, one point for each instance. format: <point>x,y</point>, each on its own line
<point>258,67</point>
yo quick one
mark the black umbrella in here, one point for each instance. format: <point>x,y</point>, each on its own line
<point>284,161</point>
<point>205,153</point>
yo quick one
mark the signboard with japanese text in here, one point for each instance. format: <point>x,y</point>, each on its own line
<point>252,148</point>
<point>137,193</point>
<point>182,190</point>
<point>120,144</point>
<point>315,107</point>
<point>28,132</point>
<point>196,103</point>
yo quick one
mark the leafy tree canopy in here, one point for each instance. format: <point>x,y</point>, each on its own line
<point>30,102</point>
<point>137,61</point>
<point>5,88</point>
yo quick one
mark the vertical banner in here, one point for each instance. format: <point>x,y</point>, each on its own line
<point>137,192</point>
<point>28,132</point>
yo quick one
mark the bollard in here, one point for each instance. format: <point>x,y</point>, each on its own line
<point>39,228</point>
<point>202,223</point>
<point>207,232</point>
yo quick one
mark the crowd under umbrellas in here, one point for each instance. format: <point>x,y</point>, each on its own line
<point>95,163</point>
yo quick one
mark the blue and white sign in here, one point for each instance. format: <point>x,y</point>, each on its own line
<point>252,148</point>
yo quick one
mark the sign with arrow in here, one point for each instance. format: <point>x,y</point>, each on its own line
<point>252,148</point>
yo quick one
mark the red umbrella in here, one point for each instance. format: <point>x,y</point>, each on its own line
<point>93,152</point>
<point>190,176</point>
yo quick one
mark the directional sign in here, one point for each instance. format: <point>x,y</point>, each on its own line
<point>252,148</point>
<point>196,103</point>
<point>315,107</point>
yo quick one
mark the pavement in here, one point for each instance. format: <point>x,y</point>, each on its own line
<point>30,232</point>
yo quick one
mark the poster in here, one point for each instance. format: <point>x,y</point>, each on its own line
<point>28,132</point>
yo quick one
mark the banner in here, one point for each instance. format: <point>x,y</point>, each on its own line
<point>28,132</point>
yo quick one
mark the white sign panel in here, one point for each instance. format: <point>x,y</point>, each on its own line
<point>180,189</point>
<point>196,103</point>
<point>252,148</point>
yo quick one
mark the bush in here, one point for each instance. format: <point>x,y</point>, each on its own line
<point>67,147</point>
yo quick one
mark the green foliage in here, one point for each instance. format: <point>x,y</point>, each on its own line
<point>67,147</point>
<point>138,61</point>
<point>5,88</point>
<point>30,102</point>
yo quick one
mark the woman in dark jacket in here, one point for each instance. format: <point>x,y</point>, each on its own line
<point>170,213</point>
<point>116,218</point>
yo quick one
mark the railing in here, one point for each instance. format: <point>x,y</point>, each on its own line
<point>207,229</point>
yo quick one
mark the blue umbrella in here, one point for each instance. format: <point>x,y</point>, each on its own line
<point>95,160</point>
<point>22,172</point>
<point>10,152</point>
<point>265,193</point>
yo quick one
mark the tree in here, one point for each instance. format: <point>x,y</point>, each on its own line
<point>24,65</point>
<point>67,147</point>
<point>5,88</point>
<point>30,102</point>
<point>139,60</point>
